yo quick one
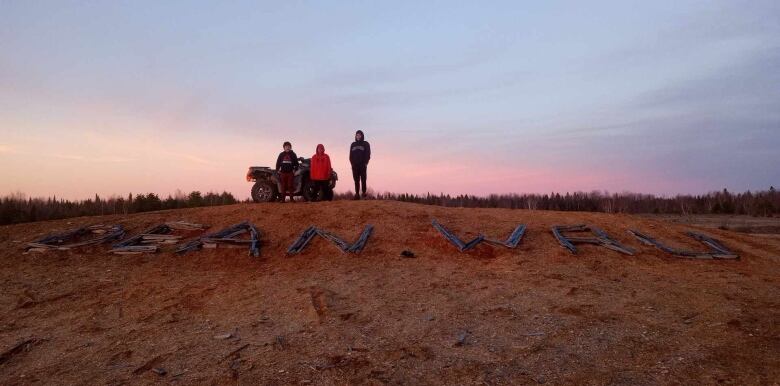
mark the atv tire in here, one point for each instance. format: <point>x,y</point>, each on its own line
<point>264,191</point>
<point>327,195</point>
<point>308,191</point>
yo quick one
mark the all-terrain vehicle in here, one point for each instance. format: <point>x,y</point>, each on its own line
<point>268,186</point>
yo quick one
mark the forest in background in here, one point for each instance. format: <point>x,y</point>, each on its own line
<point>760,203</point>
<point>17,208</point>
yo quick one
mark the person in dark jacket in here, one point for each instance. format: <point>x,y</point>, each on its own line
<point>359,155</point>
<point>320,172</point>
<point>286,165</point>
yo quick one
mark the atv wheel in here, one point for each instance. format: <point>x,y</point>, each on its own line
<point>263,191</point>
<point>328,195</point>
<point>308,191</point>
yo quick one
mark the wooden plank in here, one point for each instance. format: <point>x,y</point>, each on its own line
<point>563,240</point>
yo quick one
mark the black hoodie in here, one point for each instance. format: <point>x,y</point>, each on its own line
<point>287,162</point>
<point>359,151</point>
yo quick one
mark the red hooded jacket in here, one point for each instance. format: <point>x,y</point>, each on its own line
<point>320,165</point>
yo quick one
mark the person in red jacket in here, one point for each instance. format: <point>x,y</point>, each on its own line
<point>320,171</point>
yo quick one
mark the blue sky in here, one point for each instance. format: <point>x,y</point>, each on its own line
<point>461,97</point>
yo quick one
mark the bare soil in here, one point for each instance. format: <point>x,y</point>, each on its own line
<point>533,315</point>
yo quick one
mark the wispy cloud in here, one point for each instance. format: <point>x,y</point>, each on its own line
<point>6,149</point>
<point>751,85</point>
<point>362,77</point>
<point>401,97</point>
<point>192,158</point>
<point>69,157</point>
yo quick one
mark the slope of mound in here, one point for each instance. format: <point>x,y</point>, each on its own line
<point>536,314</point>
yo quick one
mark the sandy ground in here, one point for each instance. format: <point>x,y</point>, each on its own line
<point>532,315</point>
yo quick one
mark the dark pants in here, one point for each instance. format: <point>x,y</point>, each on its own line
<point>319,189</point>
<point>359,175</point>
<point>287,180</point>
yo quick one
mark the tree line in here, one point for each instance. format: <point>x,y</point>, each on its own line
<point>16,208</point>
<point>761,203</point>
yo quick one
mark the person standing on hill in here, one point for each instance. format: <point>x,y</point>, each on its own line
<point>286,165</point>
<point>359,155</point>
<point>320,172</point>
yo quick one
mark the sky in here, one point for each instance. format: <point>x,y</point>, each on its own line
<point>663,97</point>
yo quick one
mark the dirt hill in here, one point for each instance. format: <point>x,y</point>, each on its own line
<point>537,314</point>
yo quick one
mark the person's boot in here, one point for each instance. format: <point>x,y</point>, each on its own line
<point>364,195</point>
<point>357,196</point>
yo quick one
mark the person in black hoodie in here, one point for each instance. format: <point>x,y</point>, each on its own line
<point>286,165</point>
<point>359,155</point>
